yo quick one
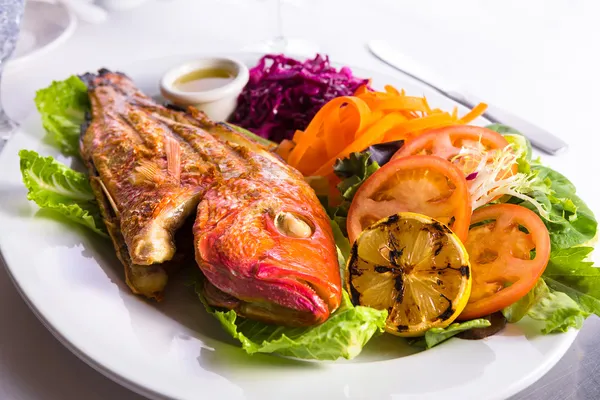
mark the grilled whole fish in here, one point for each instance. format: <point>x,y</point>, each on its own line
<point>262,240</point>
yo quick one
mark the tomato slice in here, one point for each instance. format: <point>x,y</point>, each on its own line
<point>447,142</point>
<point>422,184</point>
<point>500,255</point>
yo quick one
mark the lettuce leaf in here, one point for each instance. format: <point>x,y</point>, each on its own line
<point>353,171</point>
<point>344,334</point>
<point>571,222</point>
<point>342,246</point>
<point>54,186</point>
<point>570,288</point>
<point>520,143</point>
<point>569,272</point>
<point>558,311</point>
<point>63,106</point>
<point>341,242</point>
<point>435,336</point>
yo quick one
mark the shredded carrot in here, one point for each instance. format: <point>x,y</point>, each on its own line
<point>284,148</point>
<point>353,123</point>
<point>391,90</point>
<point>362,90</point>
<point>371,136</point>
<point>304,141</point>
<point>474,113</point>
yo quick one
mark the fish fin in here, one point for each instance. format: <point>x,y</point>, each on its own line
<point>173,150</point>
<point>148,172</point>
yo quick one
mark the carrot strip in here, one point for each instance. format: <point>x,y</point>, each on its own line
<point>284,148</point>
<point>474,113</point>
<point>372,135</point>
<point>421,124</point>
<point>361,90</point>
<point>392,90</point>
<point>408,103</point>
<point>339,129</point>
<point>303,141</point>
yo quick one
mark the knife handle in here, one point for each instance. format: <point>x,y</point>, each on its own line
<point>539,137</point>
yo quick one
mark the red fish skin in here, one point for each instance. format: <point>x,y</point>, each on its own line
<point>242,253</point>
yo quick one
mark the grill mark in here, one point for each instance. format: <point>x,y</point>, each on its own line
<point>449,311</point>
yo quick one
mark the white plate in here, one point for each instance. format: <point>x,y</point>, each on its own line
<point>73,282</point>
<point>44,26</point>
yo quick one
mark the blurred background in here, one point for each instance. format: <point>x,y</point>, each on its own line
<point>494,48</point>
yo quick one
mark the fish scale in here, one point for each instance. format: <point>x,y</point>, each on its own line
<point>261,238</point>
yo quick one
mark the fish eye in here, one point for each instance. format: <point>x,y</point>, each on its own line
<point>293,225</point>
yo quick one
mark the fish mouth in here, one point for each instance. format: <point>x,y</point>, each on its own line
<point>273,296</point>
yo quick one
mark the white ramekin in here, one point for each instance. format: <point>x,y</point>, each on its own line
<point>219,103</point>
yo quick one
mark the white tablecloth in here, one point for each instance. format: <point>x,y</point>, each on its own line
<point>537,58</point>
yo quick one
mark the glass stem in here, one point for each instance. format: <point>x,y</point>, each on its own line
<point>280,41</point>
<point>7,126</point>
<point>4,120</point>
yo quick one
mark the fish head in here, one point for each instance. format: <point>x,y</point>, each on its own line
<point>272,249</point>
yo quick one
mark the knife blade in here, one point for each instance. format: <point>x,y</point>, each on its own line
<point>540,138</point>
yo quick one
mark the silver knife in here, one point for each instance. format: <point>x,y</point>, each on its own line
<point>539,137</point>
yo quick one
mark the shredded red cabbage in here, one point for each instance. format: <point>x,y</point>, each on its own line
<point>472,176</point>
<point>283,94</point>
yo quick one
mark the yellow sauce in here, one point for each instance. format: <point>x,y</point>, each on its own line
<point>202,80</point>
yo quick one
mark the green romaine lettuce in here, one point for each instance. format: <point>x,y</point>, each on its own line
<point>344,334</point>
<point>54,186</point>
<point>435,336</point>
<point>342,247</point>
<point>558,311</point>
<point>571,222</point>
<point>353,171</point>
<point>341,242</point>
<point>63,106</point>
<point>569,272</point>
<point>520,143</point>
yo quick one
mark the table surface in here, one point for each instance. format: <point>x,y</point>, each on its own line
<point>534,58</point>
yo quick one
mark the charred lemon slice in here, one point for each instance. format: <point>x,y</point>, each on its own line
<point>414,267</point>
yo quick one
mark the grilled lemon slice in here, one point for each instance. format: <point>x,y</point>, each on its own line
<point>414,267</point>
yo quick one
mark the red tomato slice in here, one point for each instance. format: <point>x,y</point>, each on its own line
<point>422,184</point>
<point>500,254</point>
<point>447,142</point>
